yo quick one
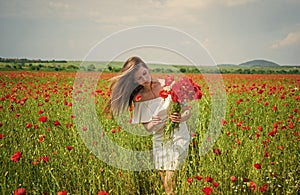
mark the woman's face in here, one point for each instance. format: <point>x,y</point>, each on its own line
<point>142,76</point>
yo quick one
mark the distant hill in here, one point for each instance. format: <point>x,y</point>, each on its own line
<point>259,63</point>
<point>226,64</point>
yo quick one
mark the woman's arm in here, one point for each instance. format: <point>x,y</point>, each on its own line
<point>155,124</point>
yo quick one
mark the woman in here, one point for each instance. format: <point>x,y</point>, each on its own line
<point>135,88</point>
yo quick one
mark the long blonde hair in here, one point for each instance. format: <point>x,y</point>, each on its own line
<point>123,87</point>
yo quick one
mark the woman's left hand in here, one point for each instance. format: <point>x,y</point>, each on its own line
<point>175,117</point>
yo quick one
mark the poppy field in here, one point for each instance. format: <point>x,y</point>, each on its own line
<point>41,150</point>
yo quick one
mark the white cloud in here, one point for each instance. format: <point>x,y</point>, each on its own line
<point>198,4</point>
<point>292,38</point>
<point>58,5</point>
<point>236,2</point>
<point>190,4</point>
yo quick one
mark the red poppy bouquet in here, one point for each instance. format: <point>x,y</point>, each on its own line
<point>181,92</point>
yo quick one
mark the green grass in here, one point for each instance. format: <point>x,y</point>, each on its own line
<point>79,171</point>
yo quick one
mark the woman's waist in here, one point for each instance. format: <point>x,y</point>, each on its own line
<point>182,129</point>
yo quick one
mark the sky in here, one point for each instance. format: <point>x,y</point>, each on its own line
<point>232,31</point>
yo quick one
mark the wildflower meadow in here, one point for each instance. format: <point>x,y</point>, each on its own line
<point>41,150</point>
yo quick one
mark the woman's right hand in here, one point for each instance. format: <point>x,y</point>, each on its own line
<point>155,124</point>
<point>156,120</point>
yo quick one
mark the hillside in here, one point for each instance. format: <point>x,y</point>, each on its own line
<point>264,63</point>
<point>251,67</point>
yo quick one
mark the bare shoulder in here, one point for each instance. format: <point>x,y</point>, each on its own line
<point>158,83</point>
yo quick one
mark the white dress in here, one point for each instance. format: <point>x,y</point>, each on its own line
<point>168,155</point>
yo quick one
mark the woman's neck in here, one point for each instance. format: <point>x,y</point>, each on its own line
<point>147,88</point>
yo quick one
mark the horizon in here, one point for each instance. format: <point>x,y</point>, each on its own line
<point>158,63</point>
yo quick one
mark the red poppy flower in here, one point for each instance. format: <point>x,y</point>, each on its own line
<point>186,90</point>
<point>16,156</point>
<point>99,91</point>
<point>193,134</point>
<point>69,148</point>
<point>260,91</point>
<point>164,94</point>
<point>259,128</point>
<point>20,191</point>
<point>41,111</point>
<point>44,159</point>
<point>56,123</point>
<point>266,154</point>
<point>113,131</point>
<point>198,95</point>
<point>41,138</point>
<point>120,174</point>
<point>252,186</point>
<point>263,188</point>
<point>2,136</point>
<point>208,179</point>
<point>174,97</point>
<point>217,151</point>
<point>223,122</point>
<point>207,190</point>
<point>291,125</point>
<point>69,124</point>
<point>233,178</point>
<point>257,166</point>
<point>190,180</point>
<point>239,101</point>
<point>138,98</point>
<point>43,119</point>
<point>215,184</point>
<point>198,177</point>
<point>169,80</point>
<point>103,193</point>
<point>62,193</point>
<point>239,123</point>
<point>34,162</point>
<point>273,132</point>
<point>28,125</point>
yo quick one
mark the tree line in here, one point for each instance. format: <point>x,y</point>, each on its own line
<point>25,60</point>
<point>70,67</point>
